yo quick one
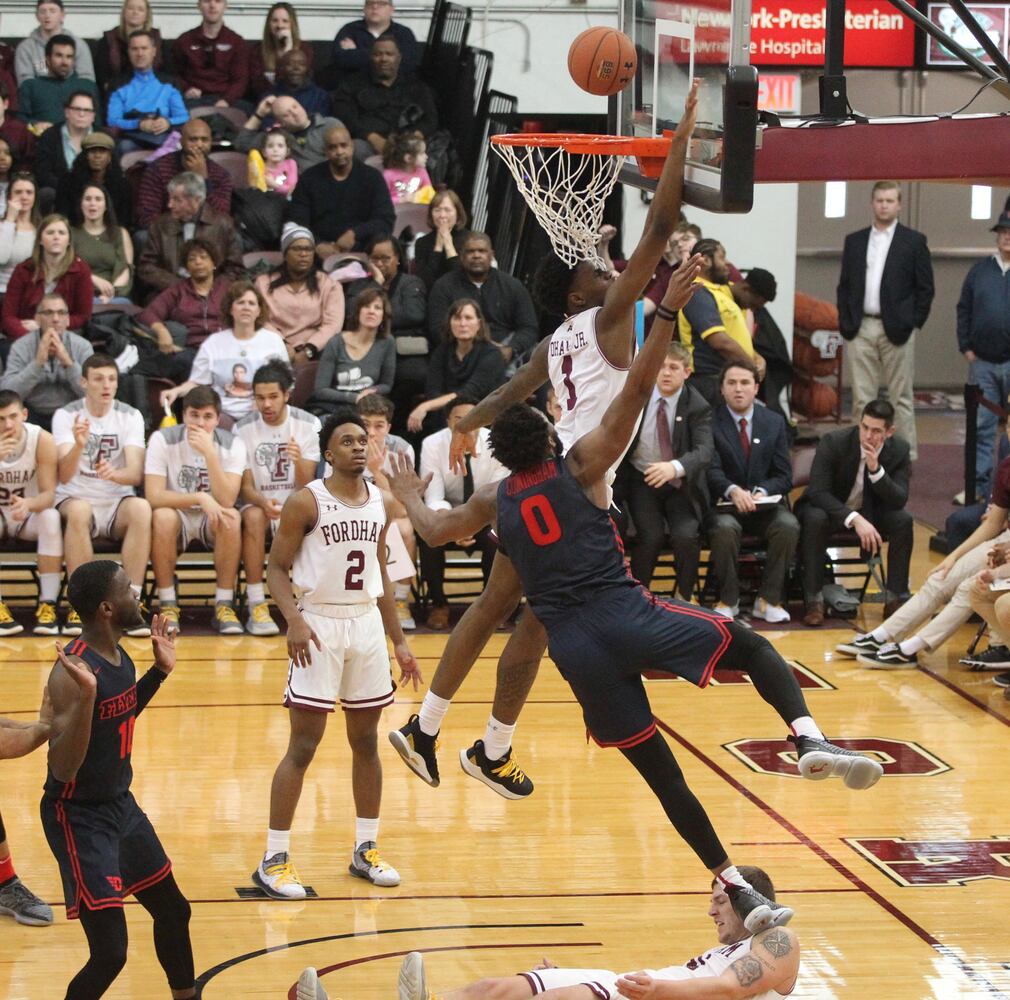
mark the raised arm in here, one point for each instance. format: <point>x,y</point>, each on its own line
<point>18,739</point>
<point>72,689</point>
<point>597,451</point>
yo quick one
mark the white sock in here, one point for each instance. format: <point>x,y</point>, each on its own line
<point>912,646</point>
<point>256,593</point>
<point>166,595</point>
<point>365,830</point>
<point>278,842</point>
<point>223,595</point>
<point>401,591</point>
<point>880,635</point>
<point>805,726</point>
<point>49,587</point>
<point>730,876</point>
<point>497,739</point>
<point>432,713</point>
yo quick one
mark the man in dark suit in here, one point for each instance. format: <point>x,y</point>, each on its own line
<point>884,294</point>
<point>751,464</point>
<point>665,472</point>
<point>859,480</point>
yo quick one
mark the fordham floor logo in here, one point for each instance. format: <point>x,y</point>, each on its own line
<point>899,758</point>
<point>917,863</point>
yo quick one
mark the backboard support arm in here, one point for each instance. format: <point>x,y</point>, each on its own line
<point>831,85</point>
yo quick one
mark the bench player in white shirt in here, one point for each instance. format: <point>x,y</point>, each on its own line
<point>192,477</point>
<point>761,967</point>
<point>27,493</point>
<point>100,448</point>
<point>282,452</point>
<point>332,539</point>
<point>587,360</point>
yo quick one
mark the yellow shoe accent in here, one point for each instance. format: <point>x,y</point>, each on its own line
<point>284,873</point>
<point>510,770</point>
<point>226,621</point>
<point>6,618</point>
<point>73,625</point>
<point>170,612</point>
<point>45,614</point>
<point>260,613</point>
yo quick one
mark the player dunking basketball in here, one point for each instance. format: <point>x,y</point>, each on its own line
<point>587,361</point>
<point>604,628</point>
<point>332,534</point>
<point>104,845</point>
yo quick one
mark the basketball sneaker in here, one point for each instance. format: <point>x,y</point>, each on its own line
<point>406,619</point>
<point>309,987</point>
<point>504,776</point>
<point>411,984</point>
<point>819,759</point>
<point>73,625</point>
<point>417,750</point>
<point>860,645</point>
<point>143,630</point>
<point>225,620</point>
<point>993,658</point>
<point>8,626</point>
<point>170,612</point>
<point>46,622</point>
<point>259,621</point>
<point>19,902</point>
<point>277,877</point>
<point>366,864</point>
<point>888,657</point>
<point>757,912</point>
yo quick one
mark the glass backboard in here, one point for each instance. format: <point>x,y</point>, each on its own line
<point>678,40</point>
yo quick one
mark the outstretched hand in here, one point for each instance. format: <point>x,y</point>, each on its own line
<point>637,986</point>
<point>461,443</point>
<point>163,643</point>
<point>690,116</point>
<point>404,482</point>
<point>682,284</point>
<point>80,673</point>
<point>410,670</point>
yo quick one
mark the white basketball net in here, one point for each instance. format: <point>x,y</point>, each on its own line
<point>566,192</point>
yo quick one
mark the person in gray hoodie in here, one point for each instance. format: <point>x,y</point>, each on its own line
<point>30,55</point>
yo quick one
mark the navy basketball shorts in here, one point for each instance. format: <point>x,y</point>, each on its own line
<point>106,851</point>
<point>602,647</point>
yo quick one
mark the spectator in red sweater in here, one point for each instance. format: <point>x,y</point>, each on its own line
<point>53,267</point>
<point>212,59</point>
<point>194,156</point>
<point>15,131</point>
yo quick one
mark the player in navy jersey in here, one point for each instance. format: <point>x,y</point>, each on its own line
<point>603,627</point>
<point>105,846</point>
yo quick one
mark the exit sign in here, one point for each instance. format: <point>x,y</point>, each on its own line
<point>779,92</point>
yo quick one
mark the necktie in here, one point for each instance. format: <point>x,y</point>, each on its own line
<point>663,432</point>
<point>744,439</point>
<point>467,480</point>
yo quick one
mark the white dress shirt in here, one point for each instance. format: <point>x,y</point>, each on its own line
<point>445,490</point>
<point>855,498</point>
<point>876,256</point>
<point>749,430</point>
<point>647,449</point>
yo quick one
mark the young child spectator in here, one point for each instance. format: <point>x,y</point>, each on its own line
<point>273,169</point>
<point>192,476</point>
<point>403,163</point>
<point>18,230</point>
<point>282,452</point>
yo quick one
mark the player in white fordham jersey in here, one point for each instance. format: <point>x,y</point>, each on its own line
<point>100,448</point>
<point>764,966</point>
<point>589,355</point>
<point>282,452</point>
<point>333,536</point>
<point>27,491</point>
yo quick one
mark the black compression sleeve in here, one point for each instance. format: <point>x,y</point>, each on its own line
<point>147,686</point>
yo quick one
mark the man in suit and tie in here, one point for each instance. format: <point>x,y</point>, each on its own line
<point>447,490</point>
<point>859,480</point>
<point>884,294</point>
<point>665,473</point>
<point>751,464</point>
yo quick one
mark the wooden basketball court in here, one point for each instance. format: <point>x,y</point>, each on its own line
<point>898,890</point>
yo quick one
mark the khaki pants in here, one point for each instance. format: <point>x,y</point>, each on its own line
<point>951,597</point>
<point>875,361</point>
<point>993,607</point>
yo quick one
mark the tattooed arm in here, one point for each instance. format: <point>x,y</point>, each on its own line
<point>771,964</point>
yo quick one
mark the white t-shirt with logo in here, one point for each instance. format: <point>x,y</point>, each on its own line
<point>228,365</point>
<point>170,454</point>
<point>273,474</point>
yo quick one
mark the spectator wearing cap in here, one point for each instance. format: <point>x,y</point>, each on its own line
<point>188,216</point>
<point>12,129</point>
<point>308,132</point>
<point>30,56</point>
<point>146,108</point>
<point>752,293</point>
<point>306,307</point>
<point>212,59</point>
<point>983,337</point>
<point>57,148</point>
<point>383,99</point>
<point>343,202</point>
<point>194,157</point>
<point>42,99</point>
<point>96,164</point>
<point>354,41</point>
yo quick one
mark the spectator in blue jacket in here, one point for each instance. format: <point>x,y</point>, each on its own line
<point>146,108</point>
<point>983,337</point>
<point>353,43</point>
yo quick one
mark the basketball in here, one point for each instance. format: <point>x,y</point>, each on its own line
<point>602,61</point>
